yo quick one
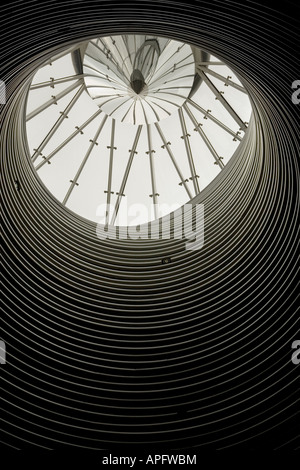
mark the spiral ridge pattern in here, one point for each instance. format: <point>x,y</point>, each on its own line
<point>105,343</point>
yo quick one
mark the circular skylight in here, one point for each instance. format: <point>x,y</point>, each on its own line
<point>123,130</point>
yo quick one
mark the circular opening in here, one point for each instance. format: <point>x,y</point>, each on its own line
<point>123,130</point>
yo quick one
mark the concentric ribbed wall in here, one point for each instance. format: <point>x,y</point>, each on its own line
<point>105,343</point>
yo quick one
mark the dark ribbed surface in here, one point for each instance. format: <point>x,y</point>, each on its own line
<point>105,344</point>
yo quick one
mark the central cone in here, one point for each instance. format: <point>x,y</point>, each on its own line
<point>137,81</point>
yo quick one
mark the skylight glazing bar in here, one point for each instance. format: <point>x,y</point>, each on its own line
<point>150,152</point>
<point>222,100</point>
<point>144,112</point>
<point>226,80</point>
<point>62,117</point>
<point>129,71</point>
<point>128,110</point>
<point>170,71</point>
<point>171,81</point>
<point>126,174</point>
<point>150,105</point>
<point>92,145</point>
<point>112,66</point>
<point>214,119</point>
<point>110,170</point>
<point>127,49</point>
<point>185,137</point>
<point>56,81</point>
<point>79,129</point>
<point>171,57</point>
<point>207,142</point>
<point>153,103</point>
<point>54,100</point>
<point>166,145</point>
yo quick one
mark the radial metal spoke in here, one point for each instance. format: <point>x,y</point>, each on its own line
<point>166,145</point>
<point>111,156</point>
<point>163,90</point>
<point>226,80</point>
<point>112,99</point>
<point>54,100</point>
<point>144,112</point>
<point>63,116</point>
<point>79,129</point>
<point>56,81</point>
<point>150,152</point>
<point>124,61</point>
<point>185,137</point>
<point>166,101</point>
<point>113,59</point>
<point>158,105</point>
<point>207,115</point>
<point>149,104</point>
<point>119,106</point>
<point>222,100</point>
<point>126,174</point>
<point>75,179</point>
<point>127,49</point>
<point>218,159</point>
<point>168,93</point>
<point>114,67</point>
<point>105,86</point>
<point>134,115</point>
<point>104,76</point>
<point>127,112</point>
<point>167,72</point>
<point>172,80</point>
<point>171,56</point>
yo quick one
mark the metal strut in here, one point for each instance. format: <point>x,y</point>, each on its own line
<point>185,137</point>
<point>218,159</point>
<point>63,115</point>
<point>111,155</point>
<point>126,174</point>
<point>79,130</point>
<point>150,152</point>
<point>166,145</point>
<point>207,115</point>
<point>222,100</point>
<point>56,81</point>
<point>53,100</point>
<point>93,143</point>
<point>226,80</point>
